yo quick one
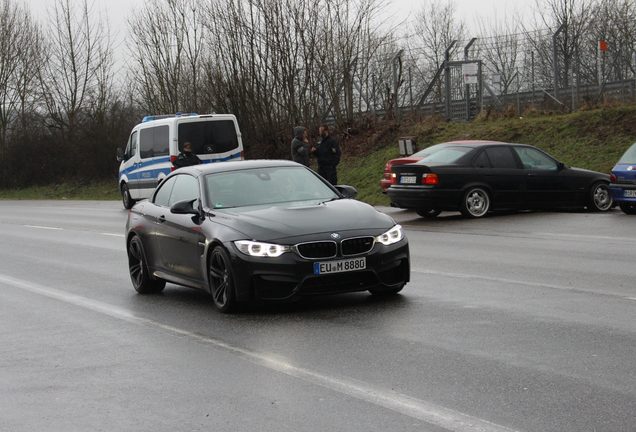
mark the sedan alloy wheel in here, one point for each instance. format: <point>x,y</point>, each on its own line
<point>142,281</point>
<point>601,200</point>
<point>476,203</point>
<point>221,279</point>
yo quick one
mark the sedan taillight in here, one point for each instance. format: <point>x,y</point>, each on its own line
<point>430,179</point>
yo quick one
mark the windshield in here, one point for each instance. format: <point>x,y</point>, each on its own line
<point>629,157</point>
<point>443,154</point>
<point>262,186</point>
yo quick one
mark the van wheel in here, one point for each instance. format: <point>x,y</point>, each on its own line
<point>125,197</point>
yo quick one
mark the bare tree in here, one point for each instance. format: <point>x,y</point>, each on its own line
<point>78,64</point>
<point>499,45</point>
<point>19,59</point>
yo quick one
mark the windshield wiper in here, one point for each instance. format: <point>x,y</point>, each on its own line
<point>329,200</point>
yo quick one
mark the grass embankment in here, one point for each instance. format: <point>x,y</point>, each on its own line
<point>106,190</point>
<point>593,139</point>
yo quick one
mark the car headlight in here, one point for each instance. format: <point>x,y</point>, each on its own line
<point>259,249</point>
<point>393,235</point>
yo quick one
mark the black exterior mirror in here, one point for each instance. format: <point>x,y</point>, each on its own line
<point>120,155</point>
<point>560,166</point>
<point>185,207</point>
<point>347,191</point>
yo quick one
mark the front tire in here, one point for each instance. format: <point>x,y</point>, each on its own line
<point>428,213</point>
<point>600,199</point>
<point>142,280</point>
<point>475,203</point>
<point>126,199</point>
<point>221,278</point>
<point>628,208</point>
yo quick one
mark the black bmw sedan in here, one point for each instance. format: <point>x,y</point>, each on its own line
<point>475,177</point>
<point>270,230</point>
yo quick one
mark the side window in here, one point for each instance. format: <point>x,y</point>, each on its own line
<point>481,161</point>
<point>186,188</point>
<point>147,138</point>
<point>535,160</point>
<point>134,141</point>
<point>155,141</point>
<point>131,147</point>
<point>162,196</point>
<point>501,157</point>
<point>161,140</point>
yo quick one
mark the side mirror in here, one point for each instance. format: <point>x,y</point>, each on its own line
<point>347,191</point>
<point>560,166</point>
<point>185,207</point>
<point>120,155</point>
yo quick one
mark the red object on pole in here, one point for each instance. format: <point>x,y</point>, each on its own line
<point>602,45</point>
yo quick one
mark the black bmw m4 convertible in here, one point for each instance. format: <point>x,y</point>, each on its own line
<point>269,230</point>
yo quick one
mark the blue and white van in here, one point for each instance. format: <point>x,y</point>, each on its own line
<point>155,143</point>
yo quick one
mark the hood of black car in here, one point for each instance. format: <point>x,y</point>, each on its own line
<point>280,221</point>
<point>590,173</point>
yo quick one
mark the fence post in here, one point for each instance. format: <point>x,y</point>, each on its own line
<point>447,78</point>
<point>555,60</point>
<point>467,86</point>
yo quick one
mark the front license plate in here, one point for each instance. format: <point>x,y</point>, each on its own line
<point>629,193</point>
<point>407,180</point>
<point>340,266</point>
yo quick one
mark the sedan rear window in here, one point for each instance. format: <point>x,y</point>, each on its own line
<point>629,157</point>
<point>261,186</point>
<point>445,154</point>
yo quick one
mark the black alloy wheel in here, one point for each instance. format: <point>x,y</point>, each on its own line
<point>628,208</point>
<point>475,203</point>
<point>126,198</point>
<point>221,279</point>
<point>142,280</point>
<point>600,198</point>
<point>428,213</point>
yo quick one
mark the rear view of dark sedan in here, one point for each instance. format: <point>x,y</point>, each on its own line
<point>271,230</point>
<point>475,177</point>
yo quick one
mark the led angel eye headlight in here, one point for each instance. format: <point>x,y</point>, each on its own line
<point>258,249</point>
<point>390,237</point>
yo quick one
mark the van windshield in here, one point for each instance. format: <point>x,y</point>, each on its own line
<point>630,156</point>
<point>208,137</point>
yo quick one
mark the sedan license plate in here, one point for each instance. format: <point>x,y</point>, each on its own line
<point>340,266</point>
<point>629,193</point>
<point>407,179</point>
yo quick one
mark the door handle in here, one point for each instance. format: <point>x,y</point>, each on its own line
<point>161,219</point>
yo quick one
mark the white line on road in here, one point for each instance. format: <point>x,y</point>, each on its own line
<point>515,282</point>
<point>416,408</point>
<point>113,235</point>
<point>43,227</point>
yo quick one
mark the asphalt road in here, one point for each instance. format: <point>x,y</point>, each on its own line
<point>518,322</point>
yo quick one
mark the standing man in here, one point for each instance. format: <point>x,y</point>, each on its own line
<point>186,157</point>
<point>328,155</point>
<point>300,146</point>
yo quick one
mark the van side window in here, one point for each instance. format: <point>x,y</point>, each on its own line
<point>209,137</point>
<point>131,147</point>
<point>155,141</point>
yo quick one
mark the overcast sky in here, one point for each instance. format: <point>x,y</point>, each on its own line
<point>400,10</point>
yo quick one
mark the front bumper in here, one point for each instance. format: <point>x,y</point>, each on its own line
<point>290,276</point>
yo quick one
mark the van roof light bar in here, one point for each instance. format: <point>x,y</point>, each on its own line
<point>164,116</point>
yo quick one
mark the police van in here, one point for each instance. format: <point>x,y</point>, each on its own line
<point>155,143</point>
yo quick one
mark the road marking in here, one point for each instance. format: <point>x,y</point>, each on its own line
<point>44,227</point>
<point>428,412</point>
<point>515,282</point>
<point>113,235</point>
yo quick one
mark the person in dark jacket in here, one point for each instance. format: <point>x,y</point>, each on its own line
<point>327,153</point>
<point>186,157</point>
<point>300,146</point>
